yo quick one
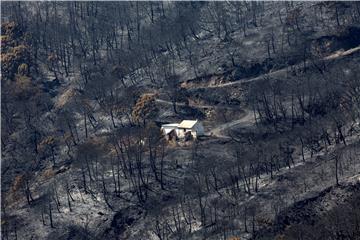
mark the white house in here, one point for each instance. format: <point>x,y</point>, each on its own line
<point>195,128</point>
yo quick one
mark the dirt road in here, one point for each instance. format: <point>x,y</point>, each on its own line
<point>280,72</point>
<point>246,120</point>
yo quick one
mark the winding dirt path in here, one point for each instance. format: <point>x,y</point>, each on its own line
<point>280,72</point>
<point>247,120</point>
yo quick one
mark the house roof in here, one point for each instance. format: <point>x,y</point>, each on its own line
<point>167,128</point>
<point>173,125</point>
<point>187,123</point>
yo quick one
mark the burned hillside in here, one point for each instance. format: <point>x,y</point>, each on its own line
<point>180,120</point>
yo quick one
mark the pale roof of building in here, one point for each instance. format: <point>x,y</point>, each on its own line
<point>167,128</point>
<point>187,123</point>
<point>173,125</point>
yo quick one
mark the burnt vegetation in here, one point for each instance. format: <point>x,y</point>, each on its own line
<point>86,87</point>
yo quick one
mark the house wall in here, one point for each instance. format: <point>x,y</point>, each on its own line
<point>199,129</point>
<point>196,131</point>
<point>181,133</point>
<point>167,129</point>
